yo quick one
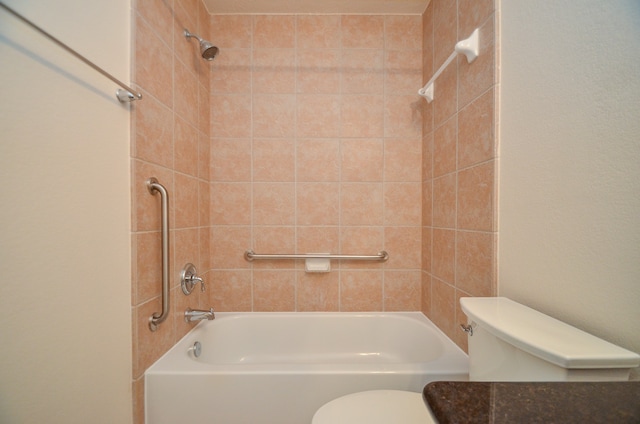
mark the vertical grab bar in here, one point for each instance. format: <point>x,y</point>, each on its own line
<point>154,186</point>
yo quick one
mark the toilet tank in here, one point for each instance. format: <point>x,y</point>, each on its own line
<point>512,342</point>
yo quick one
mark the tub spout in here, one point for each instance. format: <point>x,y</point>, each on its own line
<point>191,315</point>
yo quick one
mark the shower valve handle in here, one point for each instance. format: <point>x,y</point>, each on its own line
<point>189,279</point>
<point>194,280</point>
<point>202,287</point>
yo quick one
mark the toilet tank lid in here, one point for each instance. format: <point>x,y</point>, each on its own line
<point>544,336</point>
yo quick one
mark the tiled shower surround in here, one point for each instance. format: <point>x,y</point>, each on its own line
<point>316,147</point>
<point>304,135</point>
<point>459,202</point>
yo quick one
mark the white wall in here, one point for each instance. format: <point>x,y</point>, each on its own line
<point>65,322</point>
<point>569,241</point>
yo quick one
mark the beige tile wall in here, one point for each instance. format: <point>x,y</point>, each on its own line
<point>460,161</point>
<point>170,141</point>
<point>316,147</point>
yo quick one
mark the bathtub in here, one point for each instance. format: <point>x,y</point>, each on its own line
<point>279,368</point>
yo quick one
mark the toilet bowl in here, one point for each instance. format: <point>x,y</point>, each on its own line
<point>375,407</point>
<point>507,342</point>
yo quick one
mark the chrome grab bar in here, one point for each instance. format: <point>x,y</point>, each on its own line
<point>382,256</point>
<point>154,186</point>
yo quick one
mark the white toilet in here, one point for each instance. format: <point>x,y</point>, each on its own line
<point>507,342</point>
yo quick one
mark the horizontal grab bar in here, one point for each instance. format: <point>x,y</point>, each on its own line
<point>382,256</point>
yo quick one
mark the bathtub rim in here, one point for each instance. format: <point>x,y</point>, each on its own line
<point>453,360</point>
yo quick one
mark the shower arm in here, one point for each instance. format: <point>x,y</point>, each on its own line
<point>189,34</point>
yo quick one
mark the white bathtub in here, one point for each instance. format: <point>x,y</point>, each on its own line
<point>279,368</point>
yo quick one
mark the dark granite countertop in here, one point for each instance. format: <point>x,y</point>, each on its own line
<point>567,402</point>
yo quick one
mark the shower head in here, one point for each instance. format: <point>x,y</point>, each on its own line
<point>207,50</point>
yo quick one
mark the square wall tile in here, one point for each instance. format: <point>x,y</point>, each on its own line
<point>402,115</point>
<point>476,197</point>
<point>317,291</point>
<point>231,72</point>
<point>476,138</point>
<point>274,31</point>
<point>403,159</point>
<point>402,204</point>
<point>361,204</point>
<point>228,244</point>
<point>231,31</point>
<point>274,71</point>
<point>230,290</point>
<point>445,147</point>
<point>230,160</point>
<point>362,160</point>
<point>362,71</point>
<point>273,204</point>
<point>362,116</point>
<point>231,115</point>
<point>362,31</point>
<point>274,290</point>
<point>317,203</point>
<point>318,71</point>
<point>444,201</point>
<point>403,71</point>
<point>402,290</point>
<point>230,203</point>
<point>361,290</point>
<point>318,31</point>
<point>475,262</point>
<point>318,115</point>
<point>273,115</point>
<point>153,132</point>
<point>404,246</point>
<point>273,159</point>
<point>317,160</point>
<point>403,32</point>
<point>443,254</point>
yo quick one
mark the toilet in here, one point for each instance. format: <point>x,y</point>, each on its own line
<point>507,342</point>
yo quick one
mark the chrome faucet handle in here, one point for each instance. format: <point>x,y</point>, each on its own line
<point>189,279</point>
<point>202,288</point>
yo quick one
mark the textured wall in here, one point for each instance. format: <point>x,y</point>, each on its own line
<point>569,198</point>
<point>64,216</point>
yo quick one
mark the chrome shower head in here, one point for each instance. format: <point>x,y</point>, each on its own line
<point>207,50</point>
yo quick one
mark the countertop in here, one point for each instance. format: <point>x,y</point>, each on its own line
<point>566,402</point>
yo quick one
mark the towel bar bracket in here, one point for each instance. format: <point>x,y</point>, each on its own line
<point>469,47</point>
